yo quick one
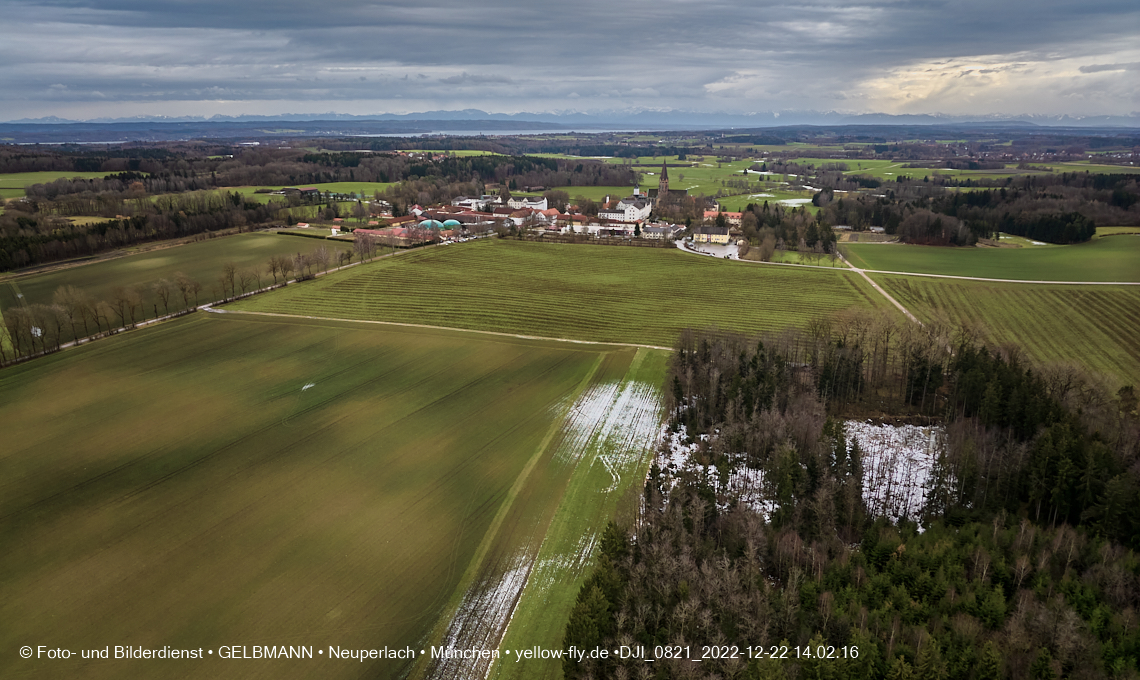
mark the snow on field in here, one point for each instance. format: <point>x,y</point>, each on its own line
<point>794,201</point>
<point>555,568</point>
<point>308,385</point>
<point>615,421</point>
<point>761,196</point>
<point>897,462</point>
<point>481,619</point>
<point>613,424</point>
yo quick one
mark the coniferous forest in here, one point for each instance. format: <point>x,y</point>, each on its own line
<point>1021,562</point>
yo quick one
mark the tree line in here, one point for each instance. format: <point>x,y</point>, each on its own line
<point>75,315</point>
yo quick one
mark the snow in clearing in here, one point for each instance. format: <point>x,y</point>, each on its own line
<point>897,462</point>
<point>744,483</point>
<point>1037,243</point>
<point>794,201</point>
<point>308,385</point>
<point>762,196</point>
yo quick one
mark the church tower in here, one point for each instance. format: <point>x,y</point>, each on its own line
<point>663,185</point>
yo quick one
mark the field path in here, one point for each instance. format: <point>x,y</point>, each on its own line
<point>884,293</point>
<point>441,328</point>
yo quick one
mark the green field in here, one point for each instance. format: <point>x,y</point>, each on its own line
<point>613,451</point>
<point>12,183</point>
<point>1094,326</point>
<point>366,189</point>
<point>201,261</point>
<point>586,292</point>
<point>233,480</point>
<point>1102,259</point>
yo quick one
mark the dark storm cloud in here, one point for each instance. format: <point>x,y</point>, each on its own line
<point>550,55</point>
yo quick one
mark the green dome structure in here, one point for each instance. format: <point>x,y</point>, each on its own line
<point>431,224</point>
<point>450,224</point>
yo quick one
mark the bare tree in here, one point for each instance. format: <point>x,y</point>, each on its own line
<point>162,291</point>
<point>72,301</point>
<point>286,266</point>
<point>299,263</point>
<point>134,300</point>
<point>119,302</point>
<point>184,283</point>
<point>245,278</point>
<point>274,267</point>
<point>227,279</point>
<point>320,257</point>
<point>364,245</point>
<point>18,323</point>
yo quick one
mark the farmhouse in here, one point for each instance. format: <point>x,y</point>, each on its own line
<point>668,232</point>
<point>711,235</point>
<point>732,218</point>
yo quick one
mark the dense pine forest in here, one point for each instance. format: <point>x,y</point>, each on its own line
<point>1022,562</point>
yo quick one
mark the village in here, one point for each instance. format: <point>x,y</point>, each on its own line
<point>630,217</point>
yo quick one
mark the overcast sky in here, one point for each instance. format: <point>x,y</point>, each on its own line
<point>97,58</point>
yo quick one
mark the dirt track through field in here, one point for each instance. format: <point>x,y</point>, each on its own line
<point>440,328</point>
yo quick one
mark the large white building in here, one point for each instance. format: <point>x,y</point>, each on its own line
<point>476,203</point>
<point>534,203</point>
<point>630,209</point>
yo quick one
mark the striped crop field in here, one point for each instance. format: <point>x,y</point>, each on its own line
<point>1094,326</point>
<point>582,292</point>
<point>225,479</point>
<point>1103,259</point>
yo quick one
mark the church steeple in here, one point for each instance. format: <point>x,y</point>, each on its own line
<point>663,185</point>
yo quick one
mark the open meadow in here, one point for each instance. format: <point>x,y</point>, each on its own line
<point>1115,258</point>
<point>1097,327</point>
<point>12,183</point>
<point>583,292</point>
<point>200,260</point>
<point>229,479</point>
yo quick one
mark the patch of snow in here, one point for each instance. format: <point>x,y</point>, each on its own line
<point>762,196</point>
<point>614,421</point>
<point>897,462</point>
<point>1037,243</point>
<point>613,424</point>
<point>744,484</point>
<point>308,385</point>
<point>482,616</point>
<point>794,201</point>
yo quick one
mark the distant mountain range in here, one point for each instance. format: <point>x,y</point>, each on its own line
<point>471,122</point>
<point>635,118</point>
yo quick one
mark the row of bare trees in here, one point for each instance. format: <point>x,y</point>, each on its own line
<point>74,314</point>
